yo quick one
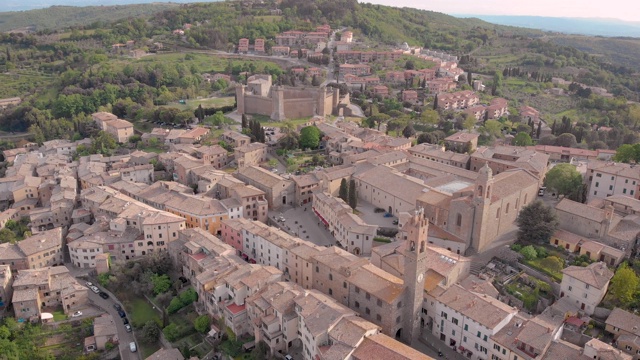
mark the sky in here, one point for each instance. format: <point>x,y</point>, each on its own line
<point>628,10</point>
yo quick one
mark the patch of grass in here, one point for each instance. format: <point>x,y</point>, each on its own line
<point>148,349</point>
<point>157,150</point>
<point>382,239</point>
<point>22,83</point>
<point>278,124</point>
<point>269,18</point>
<point>202,62</point>
<point>206,103</point>
<point>535,263</point>
<point>59,315</point>
<point>140,311</point>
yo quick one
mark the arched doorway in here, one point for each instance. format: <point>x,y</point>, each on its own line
<point>399,333</point>
<point>356,251</point>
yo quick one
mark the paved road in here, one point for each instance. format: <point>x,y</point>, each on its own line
<point>304,224</point>
<point>124,337</point>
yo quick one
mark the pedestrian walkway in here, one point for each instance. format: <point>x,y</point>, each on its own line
<point>434,344</point>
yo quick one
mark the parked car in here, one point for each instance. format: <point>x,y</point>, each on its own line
<point>121,313</point>
<point>288,357</point>
<point>127,327</point>
<point>133,347</point>
<point>103,295</point>
<point>388,215</point>
<point>395,222</point>
<point>125,320</point>
<point>89,284</point>
<point>76,314</point>
<point>95,289</point>
<point>117,307</point>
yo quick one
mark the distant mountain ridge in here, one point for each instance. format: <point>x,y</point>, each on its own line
<point>22,5</point>
<point>582,26</point>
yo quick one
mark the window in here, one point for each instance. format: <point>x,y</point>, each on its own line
<point>330,277</point>
<point>628,348</point>
<point>443,314</point>
<point>357,304</point>
<point>597,184</point>
<point>357,290</point>
<point>454,320</point>
<point>586,286</point>
<point>399,304</point>
<point>459,220</point>
<point>464,339</point>
<point>330,292</point>
<point>570,288</point>
<point>368,296</point>
<point>398,320</point>
<point>496,347</point>
<point>317,269</point>
<point>367,311</point>
<point>379,303</point>
<point>479,334</point>
<point>378,317</point>
<point>585,296</point>
<point>344,284</point>
<point>466,327</point>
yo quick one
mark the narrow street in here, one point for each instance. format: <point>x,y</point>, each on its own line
<point>106,305</point>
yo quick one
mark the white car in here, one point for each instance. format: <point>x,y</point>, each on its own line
<point>133,347</point>
<point>89,284</point>
<point>76,314</point>
<point>95,289</point>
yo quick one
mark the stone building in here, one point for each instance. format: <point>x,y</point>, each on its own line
<point>586,286</point>
<point>261,97</point>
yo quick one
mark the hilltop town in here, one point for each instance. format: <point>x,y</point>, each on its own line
<point>315,194</point>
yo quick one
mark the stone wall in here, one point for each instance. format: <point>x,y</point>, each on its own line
<point>254,104</point>
<point>601,313</point>
<point>299,108</point>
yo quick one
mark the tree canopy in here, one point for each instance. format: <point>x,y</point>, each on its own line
<point>522,139</point>
<point>310,137</point>
<point>624,285</point>
<point>564,179</point>
<point>536,222</point>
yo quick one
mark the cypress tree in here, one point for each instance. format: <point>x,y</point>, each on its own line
<point>353,196</point>
<point>539,129</point>
<point>244,121</point>
<point>435,103</point>
<point>470,78</point>
<point>344,190</point>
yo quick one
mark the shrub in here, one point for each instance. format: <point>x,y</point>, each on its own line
<point>175,305</point>
<point>542,252</point>
<point>529,252</point>
<point>382,239</point>
<point>516,247</point>
<point>171,332</point>
<point>202,323</point>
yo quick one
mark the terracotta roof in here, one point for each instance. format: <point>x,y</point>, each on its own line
<point>581,210</point>
<point>382,347</point>
<point>166,354</point>
<point>624,320</point>
<point>596,274</point>
<point>462,136</point>
<point>481,308</point>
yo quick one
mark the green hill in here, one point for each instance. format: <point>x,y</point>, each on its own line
<point>60,17</point>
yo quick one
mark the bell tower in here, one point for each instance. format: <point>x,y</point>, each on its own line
<point>481,203</point>
<point>415,265</point>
